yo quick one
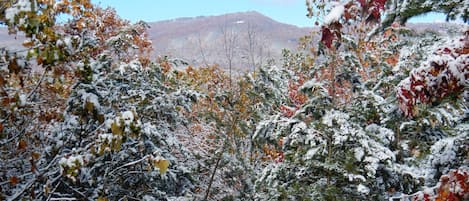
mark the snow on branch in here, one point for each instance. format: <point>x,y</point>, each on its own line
<point>446,73</point>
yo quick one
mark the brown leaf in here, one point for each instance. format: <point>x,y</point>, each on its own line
<point>89,107</point>
<point>14,180</point>
<point>2,81</point>
<point>13,66</point>
<point>101,118</point>
<point>28,43</point>
<point>35,155</point>
<point>33,165</point>
<point>22,145</point>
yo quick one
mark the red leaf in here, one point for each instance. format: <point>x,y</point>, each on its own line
<point>426,197</point>
<point>375,7</point>
<point>327,37</point>
<point>446,50</point>
<point>362,3</point>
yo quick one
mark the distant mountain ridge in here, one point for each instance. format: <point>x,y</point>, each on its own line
<point>197,37</point>
<point>202,40</point>
<point>199,40</point>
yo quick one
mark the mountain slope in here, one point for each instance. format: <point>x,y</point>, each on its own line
<point>201,40</point>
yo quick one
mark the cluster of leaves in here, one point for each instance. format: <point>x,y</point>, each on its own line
<point>452,186</point>
<point>445,75</point>
<point>122,122</point>
<point>351,95</point>
<point>226,115</point>
<point>342,13</point>
<point>85,114</point>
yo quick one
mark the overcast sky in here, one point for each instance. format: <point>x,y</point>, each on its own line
<point>286,11</point>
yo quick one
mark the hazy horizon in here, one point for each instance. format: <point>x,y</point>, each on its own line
<point>285,11</point>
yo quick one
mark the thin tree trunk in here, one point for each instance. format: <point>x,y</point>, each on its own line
<point>220,156</point>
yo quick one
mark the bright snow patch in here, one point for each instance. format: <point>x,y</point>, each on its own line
<point>128,117</point>
<point>22,5</point>
<point>23,99</point>
<point>335,14</point>
<point>363,189</point>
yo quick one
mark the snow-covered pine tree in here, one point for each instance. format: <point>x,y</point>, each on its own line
<point>367,105</point>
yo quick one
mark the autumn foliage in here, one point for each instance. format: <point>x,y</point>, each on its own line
<point>445,75</point>
<point>453,186</point>
<point>86,114</point>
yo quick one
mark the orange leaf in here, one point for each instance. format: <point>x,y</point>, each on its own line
<point>28,43</point>
<point>393,60</point>
<point>22,145</point>
<point>14,180</point>
<point>36,155</point>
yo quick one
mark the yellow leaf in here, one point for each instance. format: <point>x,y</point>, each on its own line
<point>116,144</point>
<point>162,164</point>
<point>102,199</point>
<point>46,189</point>
<point>89,106</point>
<point>116,129</point>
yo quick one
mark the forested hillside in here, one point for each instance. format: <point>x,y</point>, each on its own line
<point>373,110</point>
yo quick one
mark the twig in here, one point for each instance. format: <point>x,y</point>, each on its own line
<point>23,130</point>
<point>130,163</point>
<point>220,156</point>
<point>30,93</point>
<point>55,188</point>
<point>19,193</point>
<point>38,83</point>
<point>83,196</point>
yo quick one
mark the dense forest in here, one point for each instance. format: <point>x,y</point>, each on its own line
<point>371,111</point>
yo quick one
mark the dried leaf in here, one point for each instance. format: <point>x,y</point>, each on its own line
<point>14,180</point>
<point>46,189</point>
<point>33,165</point>
<point>116,129</point>
<point>35,155</point>
<point>89,106</point>
<point>22,145</point>
<point>13,66</point>
<point>28,43</point>
<point>102,199</point>
<point>101,118</point>
<point>393,60</point>
<point>327,37</point>
<point>162,164</point>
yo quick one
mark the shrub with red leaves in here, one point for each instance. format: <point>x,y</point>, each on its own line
<point>445,74</point>
<point>369,10</point>
<point>453,186</point>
